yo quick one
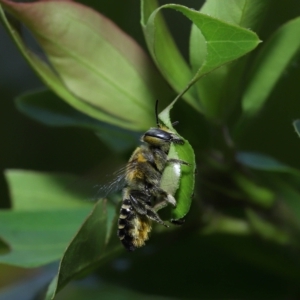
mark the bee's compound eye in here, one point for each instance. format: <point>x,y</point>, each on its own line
<point>158,133</point>
<point>157,136</point>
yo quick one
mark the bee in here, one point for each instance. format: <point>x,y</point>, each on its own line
<point>142,194</point>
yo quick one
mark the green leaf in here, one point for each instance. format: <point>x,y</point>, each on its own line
<point>47,215</point>
<point>95,242</point>
<point>266,229</point>
<point>179,183</point>
<point>254,192</point>
<point>98,69</point>
<point>48,76</point>
<point>288,190</point>
<point>273,59</point>
<point>296,125</point>
<point>224,224</point>
<point>172,173</point>
<point>37,238</point>
<point>224,43</point>
<point>228,78</point>
<point>45,107</point>
<point>245,13</point>
<point>165,52</point>
<point>37,191</point>
<point>264,163</point>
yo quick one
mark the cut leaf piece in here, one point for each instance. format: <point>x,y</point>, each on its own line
<point>102,71</point>
<point>172,173</point>
<point>95,242</point>
<point>38,238</point>
<point>276,55</point>
<point>180,183</point>
<point>185,192</point>
<point>36,191</point>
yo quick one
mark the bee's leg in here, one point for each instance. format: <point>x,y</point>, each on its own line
<point>161,205</point>
<point>152,214</point>
<point>168,199</point>
<point>141,202</point>
<point>163,199</point>
<point>138,201</point>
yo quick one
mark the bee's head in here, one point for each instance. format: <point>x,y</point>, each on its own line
<point>159,137</point>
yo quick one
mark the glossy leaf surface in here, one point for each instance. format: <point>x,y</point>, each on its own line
<point>46,107</point>
<point>228,78</point>
<point>37,191</point>
<point>45,218</point>
<point>37,238</point>
<point>224,42</point>
<point>98,69</point>
<point>94,243</point>
<point>179,183</point>
<point>164,50</point>
<point>274,58</point>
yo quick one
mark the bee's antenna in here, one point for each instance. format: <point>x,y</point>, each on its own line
<point>175,123</point>
<point>156,113</point>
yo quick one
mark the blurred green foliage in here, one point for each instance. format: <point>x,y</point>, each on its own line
<point>241,237</point>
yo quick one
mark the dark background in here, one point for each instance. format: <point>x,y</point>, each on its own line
<point>26,144</point>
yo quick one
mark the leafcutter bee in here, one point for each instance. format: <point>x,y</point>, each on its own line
<point>142,194</point>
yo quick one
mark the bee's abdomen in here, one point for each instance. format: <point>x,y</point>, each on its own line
<point>125,226</point>
<point>133,228</point>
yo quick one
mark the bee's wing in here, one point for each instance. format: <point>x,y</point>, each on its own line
<point>116,184</point>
